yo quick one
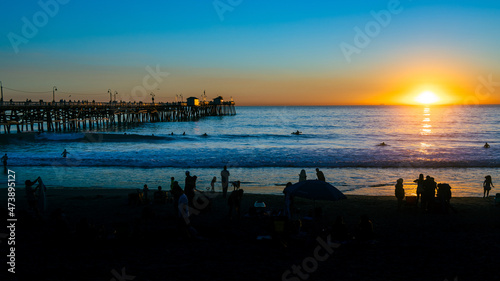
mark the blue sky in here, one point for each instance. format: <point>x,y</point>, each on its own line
<point>261,52</point>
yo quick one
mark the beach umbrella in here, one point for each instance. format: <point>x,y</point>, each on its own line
<point>315,190</point>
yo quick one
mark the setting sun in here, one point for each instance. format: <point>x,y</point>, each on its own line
<point>427,97</point>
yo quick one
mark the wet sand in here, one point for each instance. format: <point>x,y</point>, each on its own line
<point>143,242</point>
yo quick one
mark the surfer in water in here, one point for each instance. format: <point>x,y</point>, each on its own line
<point>486,145</point>
<point>64,153</point>
<point>297,133</point>
<point>382,144</point>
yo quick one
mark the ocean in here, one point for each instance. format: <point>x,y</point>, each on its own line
<point>445,142</point>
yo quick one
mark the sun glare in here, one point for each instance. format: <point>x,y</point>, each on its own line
<point>427,97</point>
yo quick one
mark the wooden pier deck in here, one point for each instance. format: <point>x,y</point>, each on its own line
<point>75,116</point>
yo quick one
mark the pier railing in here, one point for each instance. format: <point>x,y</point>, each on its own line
<point>73,116</point>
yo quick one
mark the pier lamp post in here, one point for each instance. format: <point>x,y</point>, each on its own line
<point>152,97</point>
<point>115,94</point>
<point>110,96</point>
<point>54,89</point>
<point>1,90</point>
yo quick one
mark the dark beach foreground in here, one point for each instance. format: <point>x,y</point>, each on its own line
<point>142,242</point>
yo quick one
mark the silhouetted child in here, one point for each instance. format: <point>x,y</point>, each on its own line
<point>399,192</point>
<point>159,196</point>
<point>302,175</point>
<point>212,183</point>
<point>487,185</point>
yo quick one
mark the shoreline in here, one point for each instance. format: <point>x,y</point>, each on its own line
<point>353,181</point>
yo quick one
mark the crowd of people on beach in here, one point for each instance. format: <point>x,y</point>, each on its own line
<point>426,192</point>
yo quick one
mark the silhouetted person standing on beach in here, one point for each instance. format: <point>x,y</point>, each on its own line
<point>302,175</point>
<point>320,175</point>
<point>189,187</point>
<point>145,193</point>
<point>4,160</point>
<point>224,174</point>
<point>420,186</point>
<point>212,183</point>
<point>399,192</point>
<point>64,153</point>
<point>429,192</point>
<point>487,185</point>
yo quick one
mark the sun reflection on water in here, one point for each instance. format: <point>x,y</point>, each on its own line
<point>426,126</point>
<point>426,130</point>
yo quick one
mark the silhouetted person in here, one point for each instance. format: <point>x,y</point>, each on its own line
<point>487,185</point>
<point>189,187</point>
<point>382,144</point>
<point>486,145</point>
<point>159,196</point>
<point>236,185</point>
<point>320,175</point>
<point>172,180</point>
<point>302,175</point>
<point>234,201</point>
<point>444,195</point>
<point>182,209</point>
<point>420,186</point>
<point>288,201</point>
<point>212,183</point>
<point>4,160</point>
<point>399,192</point>
<point>41,190</point>
<point>145,191</point>
<point>224,174</point>
<point>64,153</point>
<point>429,192</point>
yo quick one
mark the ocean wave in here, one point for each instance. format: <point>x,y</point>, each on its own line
<point>250,163</point>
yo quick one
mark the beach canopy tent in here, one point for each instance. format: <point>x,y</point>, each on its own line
<point>315,190</point>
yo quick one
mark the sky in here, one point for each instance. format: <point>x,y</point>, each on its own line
<point>256,52</point>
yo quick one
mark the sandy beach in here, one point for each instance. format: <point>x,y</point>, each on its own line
<point>142,242</point>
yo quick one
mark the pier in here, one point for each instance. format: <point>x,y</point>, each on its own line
<point>74,116</point>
